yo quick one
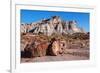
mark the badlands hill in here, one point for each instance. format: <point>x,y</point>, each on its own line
<point>52,25</point>
<point>38,36</point>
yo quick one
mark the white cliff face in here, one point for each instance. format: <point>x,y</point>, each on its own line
<point>50,26</point>
<point>59,28</point>
<point>73,26</point>
<point>23,29</point>
<point>55,20</point>
<point>50,29</point>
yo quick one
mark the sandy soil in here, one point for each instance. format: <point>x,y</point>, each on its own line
<point>65,57</point>
<point>69,55</point>
<point>73,51</point>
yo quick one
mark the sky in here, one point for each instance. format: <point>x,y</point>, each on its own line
<point>29,16</point>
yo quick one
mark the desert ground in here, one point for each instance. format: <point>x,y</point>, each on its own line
<point>77,48</point>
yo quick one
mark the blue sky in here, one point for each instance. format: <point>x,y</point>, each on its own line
<point>29,16</point>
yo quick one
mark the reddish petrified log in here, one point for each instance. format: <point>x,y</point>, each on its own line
<point>56,47</point>
<point>40,49</point>
<point>36,49</point>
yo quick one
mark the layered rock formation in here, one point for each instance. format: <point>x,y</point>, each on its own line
<point>53,25</point>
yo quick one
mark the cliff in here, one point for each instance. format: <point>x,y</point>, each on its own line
<point>52,25</point>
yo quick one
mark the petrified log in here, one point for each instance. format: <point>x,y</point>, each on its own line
<point>27,51</point>
<point>56,47</point>
<point>40,49</point>
<point>36,49</point>
<point>63,46</point>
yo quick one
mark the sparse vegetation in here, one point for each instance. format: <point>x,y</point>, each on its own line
<point>53,37</point>
<point>76,43</point>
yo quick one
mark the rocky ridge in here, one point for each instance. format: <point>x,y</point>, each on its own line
<point>52,25</point>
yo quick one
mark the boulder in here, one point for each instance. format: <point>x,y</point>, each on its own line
<point>36,49</point>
